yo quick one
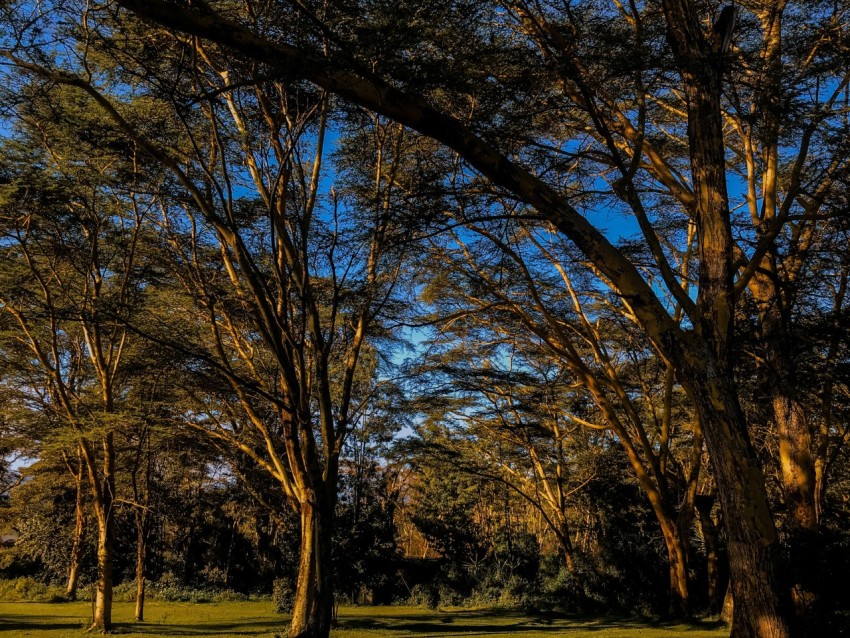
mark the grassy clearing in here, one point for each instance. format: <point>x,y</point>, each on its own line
<point>247,619</point>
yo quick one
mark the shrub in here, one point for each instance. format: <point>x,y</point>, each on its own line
<point>424,596</point>
<point>169,589</point>
<point>28,589</point>
<point>283,595</point>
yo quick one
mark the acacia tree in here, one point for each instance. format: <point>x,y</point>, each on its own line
<point>514,288</point>
<point>72,225</point>
<point>289,321</point>
<point>701,354</point>
<point>452,92</point>
<point>505,425</point>
<point>288,287</point>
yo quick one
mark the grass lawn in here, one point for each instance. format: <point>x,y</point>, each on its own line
<point>246,619</point>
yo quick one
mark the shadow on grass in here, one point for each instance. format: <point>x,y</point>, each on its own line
<point>40,626</point>
<point>502,621</point>
<point>436,624</point>
<point>30,622</point>
<point>34,623</point>
<point>240,628</point>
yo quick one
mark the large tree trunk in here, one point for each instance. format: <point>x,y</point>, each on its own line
<point>312,610</point>
<point>798,483</point>
<point>795,456</point>
<point>754,551</point>
<point>795,453</point>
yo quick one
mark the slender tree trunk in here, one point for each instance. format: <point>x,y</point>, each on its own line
<point>140,514</point>
<point>102,620</point>
<point>79,532</point>
<point>102,616</point>
<point>728,610</point>
<point>312,611</point>
<point>677,557</point>
<point>141,550</point>
<point>709,535</point>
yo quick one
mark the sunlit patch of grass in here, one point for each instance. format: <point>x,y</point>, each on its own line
<point>258,619</point>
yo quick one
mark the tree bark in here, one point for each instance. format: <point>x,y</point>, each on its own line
<point>754,550</point>
<point>709,535</point>
<point>798,483</point>
<point>79,532</point>
<point>102,614</point>
<point>796,456</point>
<point>141,550</point>
<point>677,557</point>
<point>312,610</point>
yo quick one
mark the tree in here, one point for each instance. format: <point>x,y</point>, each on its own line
<point>701,354</point>
<point>507,292</point>
<point>288,288</point>
<point>462,88</point>
<point>71,224</point>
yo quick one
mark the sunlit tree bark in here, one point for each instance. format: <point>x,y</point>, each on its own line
<point>79,527</point>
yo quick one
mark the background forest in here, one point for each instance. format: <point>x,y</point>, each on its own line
<point>535,304</point>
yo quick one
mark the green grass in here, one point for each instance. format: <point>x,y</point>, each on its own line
<point>257,619</point>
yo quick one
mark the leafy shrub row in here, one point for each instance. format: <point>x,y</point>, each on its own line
<point>167,589</point>
<point>28,589</point>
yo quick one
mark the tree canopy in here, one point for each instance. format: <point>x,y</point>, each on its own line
<point>562,259</point>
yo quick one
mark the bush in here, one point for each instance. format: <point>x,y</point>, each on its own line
<point>424,596</point>
<point>448,596</point>
<point>28,589</point>
<point>126,592</point>
<point>169,589</point>
<point>283,595</point>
